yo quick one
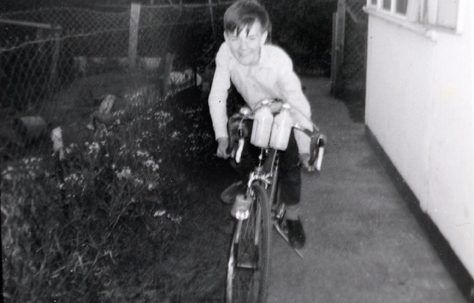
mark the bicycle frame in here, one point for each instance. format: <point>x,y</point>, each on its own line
<point>256,210</point>
<point>266,177</point>
<point>266,174</point>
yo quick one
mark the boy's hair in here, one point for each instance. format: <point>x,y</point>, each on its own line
<point>243,13</point>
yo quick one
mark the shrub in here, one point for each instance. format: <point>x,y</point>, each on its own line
<point>68,225</point>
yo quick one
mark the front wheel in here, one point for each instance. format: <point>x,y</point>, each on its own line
<point>249,259</point>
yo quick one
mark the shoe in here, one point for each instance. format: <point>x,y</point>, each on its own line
<point>229,194</point>
<point>296,235</point>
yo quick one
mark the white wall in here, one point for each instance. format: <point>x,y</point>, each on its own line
<point>420,107</point>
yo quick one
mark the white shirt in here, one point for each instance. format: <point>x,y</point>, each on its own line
<point>272,77</point>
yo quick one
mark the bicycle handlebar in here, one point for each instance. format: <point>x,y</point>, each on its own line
<point>317,143</point>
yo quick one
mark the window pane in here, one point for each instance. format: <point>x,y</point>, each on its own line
<point>448,13</point>
<point>373,2</point>
<point>402,6</point>
<point>387,4</point>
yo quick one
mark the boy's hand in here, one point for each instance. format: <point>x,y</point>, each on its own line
<point>222,145</point>
<point>304,160</point>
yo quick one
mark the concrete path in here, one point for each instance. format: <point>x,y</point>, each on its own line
<point>363,243</point>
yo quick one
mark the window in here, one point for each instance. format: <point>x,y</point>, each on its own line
<point>401,7</point>
<point>387,4</point>
<point>443,13</point>
<point>438,13</point>
<point>392,6</point>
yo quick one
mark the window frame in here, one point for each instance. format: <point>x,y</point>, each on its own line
<point>428,21</point>
<point>392,11</point>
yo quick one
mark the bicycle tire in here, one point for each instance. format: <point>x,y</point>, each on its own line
<point>249,259</point>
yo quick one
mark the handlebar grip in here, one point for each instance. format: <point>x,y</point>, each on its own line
<point>317,151</point>
<point>319,159</point>
<point>240,148</point>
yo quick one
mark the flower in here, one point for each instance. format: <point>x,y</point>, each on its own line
<point>7,171</point>
<point>174,218</point>
<point>125,173</point>
<point>74,178</point>
<point>159,213</point>
<point>150,163</point>
<point>141,153</point>
<point>175,134</point>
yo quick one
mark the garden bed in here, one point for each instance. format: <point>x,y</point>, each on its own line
<point>130,215</point>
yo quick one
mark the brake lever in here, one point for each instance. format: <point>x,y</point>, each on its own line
<point>317,157</point>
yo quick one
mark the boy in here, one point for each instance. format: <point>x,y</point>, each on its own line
<point>259,71</point>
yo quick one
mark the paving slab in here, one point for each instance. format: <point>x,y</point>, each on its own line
<point>363,243</point>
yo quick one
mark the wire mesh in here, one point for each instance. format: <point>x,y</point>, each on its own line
<point>355,50</point>
<point>46,51</point>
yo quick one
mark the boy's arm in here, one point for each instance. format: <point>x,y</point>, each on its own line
<point>218,95</point>
<point>292,91</point>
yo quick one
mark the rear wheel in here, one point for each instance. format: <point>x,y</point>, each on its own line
<point>249,260</point>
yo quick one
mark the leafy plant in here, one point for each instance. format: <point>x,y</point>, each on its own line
<point>68,226</point>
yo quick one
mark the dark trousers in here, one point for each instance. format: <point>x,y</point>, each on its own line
<point>289,174</point>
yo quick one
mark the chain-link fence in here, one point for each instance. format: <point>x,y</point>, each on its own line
<point>55,63</point>
<point>36,65</point>
<point>303,29</point>
<point>349,51</point>
<point>355,49</point>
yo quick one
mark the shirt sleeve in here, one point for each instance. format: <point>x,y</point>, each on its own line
<point>292,92</point>
<point>218,94</point>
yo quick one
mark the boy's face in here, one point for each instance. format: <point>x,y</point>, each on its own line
<point>246,45</point>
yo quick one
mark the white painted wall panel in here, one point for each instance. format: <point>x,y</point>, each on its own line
<point>420,107</point>
<point>398,98</point>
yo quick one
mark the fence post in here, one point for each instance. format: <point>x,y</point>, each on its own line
<point>55,57</point>
<point>333,54</point>
<point>165,80</point>
<point>212,20</point>
<point>133,34</point>
<point>339,25</point>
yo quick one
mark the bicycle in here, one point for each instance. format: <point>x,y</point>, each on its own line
<point>255,211</point>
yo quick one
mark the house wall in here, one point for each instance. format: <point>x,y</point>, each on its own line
<point>420,107</point>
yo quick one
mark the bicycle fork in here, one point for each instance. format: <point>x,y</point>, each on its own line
<point>235,260</point>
